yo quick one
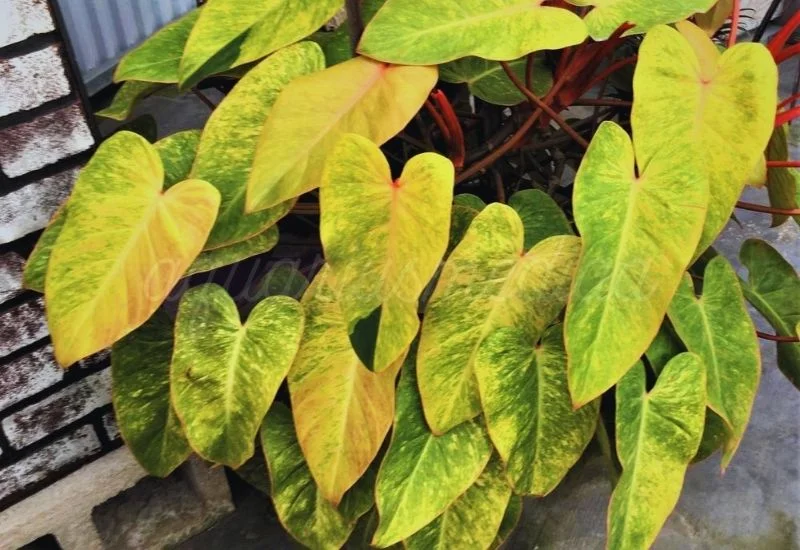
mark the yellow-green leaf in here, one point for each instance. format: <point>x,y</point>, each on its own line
<point>717,327</point>
<point>210,260</point>
<point>140,375</point>
<point>638,237</point>
<point>720,108</point>
<point>371,225</point>
<point>773,288</point>
<point>225,373</point>
<point>422,473</point>
<point>341,409</point>
<point>488,282</point>
<point>177,152</point>
<point>359,96</point>
<point>541,216</point>
<point>429,32</point>
<point>712,20</point>
<point>470,200</point>
<point>488,81</point>
<point>608,15</point>
<point>783,184</point>
<point>460,219</point>
<point>157,58</point>
<point>282,280</point>
<point>126,97</point>
<point>664,347</point>
<point>658,433</point>
<point>227,146</point>
<point>509,522</point>
<point>124,245</point>
<point>301,508</point>
<point>473,520</point>
<point>529,414</point>
<point>33,276</point>
<point>230,33</point>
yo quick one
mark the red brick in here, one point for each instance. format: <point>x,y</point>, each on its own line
<point>30,80</point>
<point>11,265</point>
<point>22,19</point>
<point>21,326</point>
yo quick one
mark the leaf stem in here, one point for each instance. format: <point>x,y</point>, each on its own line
<point>787,53</point>
<point>204,98</point>
<point>783,164</point>
<point>767,209</point>
<point>789,101</point>
<point>786,116</point>
<point>776,338</point>
<point>734,23</point>
<point>603,102</point>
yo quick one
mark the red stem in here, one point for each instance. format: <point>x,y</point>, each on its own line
<point>437,118</point>
<point>603,102</point>
<point>786,116</point>
<point>767,209</point>
<point>788,101</point>
<point>734,23</point>
<point>457,148</point>
<point>779,40</point>
<point>611,69</point>
<point>783,164</point>
<point>777,338</point>
<point>787,53</point>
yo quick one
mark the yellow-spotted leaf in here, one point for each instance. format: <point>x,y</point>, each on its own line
<point>227,147</point>
<point>712,20</point>
<point>301,508</point>
<point>227,255</point>
<point>422,473</point>
<point>470,200</point>
<point>230,33</point>
<point>126,97</point>
<point>429,32</point>
<point>33,277</point>
<point>341,409</point>
<point>488,81</point>
<point>282,280</point>
<point>717,327</point>
<point>383,238</point>
<point>773,287</point>
<point>460,219</point>
<point>664,347</point>
<point>783,184</point>
<point>717,107</point>
<point>177,152</point>
<point>509,522</point>
<point>157,59</point>
<point>658,433</point>
<point>359,96</point>
<point>338,45</point>
<point>529,414</point>
<point>140,375</point>
<point>608,15</point>
<point>124,245</point>
<point>473,520</point>
<point>638,237</point>
<point>541,216</point>
<point>488,282</point>
<point>225,373</point>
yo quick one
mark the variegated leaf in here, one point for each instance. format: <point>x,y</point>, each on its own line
<point>541,216</point>
<point>509,523</point>
<point>460,219</point>
<point>282,280</point>
<point>33,277</point>
<point>383,238</point>
<point>210,260</point>
<point>177,153</point>
<point>470,200</point>
<point>783,184</point>
<point>126,98</point>
<point>658,433</point>
<point>638,237</point>
<point>225,373</point>
<point>359,96</point>
<point>712,20</point>
<point>608,15</point>
<point>341,409</point>
<point>488,81</point>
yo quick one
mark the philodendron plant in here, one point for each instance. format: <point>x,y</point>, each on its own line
<point>493,342</point>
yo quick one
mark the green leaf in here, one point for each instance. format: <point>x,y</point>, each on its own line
<point>608,15</point>
<point>233,253</point>
<point>460,219</point>
<point>488,282</point>
<point>281,280</point>
<point>342,410</point>
<point>773,287</point>
<point>473,519</point>
<point>305,514</point>
<point>337,45</point>
<point>126,97</point>
<point>715,434</point>
<point>430,32</point>
<point>718,108</point>
<point>360,96</point>
<point>371,224</point>
<point>783,184</point>
<point>541,216</point>
<point>638,237</point>
<point>177,152</point>
<point>470,200</point>
<point>140,376</point>
<point>658,433</point>
<point>227,147</point>
<point>488,81</point>
<point>230,33</point>
<point>664,347</point>
<point>529,414</point>
<point>33,276</point>
<point>224,373</point>
<point>717,327</point>
<point>422,473</point>
<point>157,58</point>
<point>509,523</point>
<point>124,245</point>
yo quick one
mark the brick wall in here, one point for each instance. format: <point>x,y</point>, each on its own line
<point>52,421</point>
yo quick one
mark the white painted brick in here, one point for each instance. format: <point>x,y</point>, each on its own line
<point>30,208</point>
<point>20,19</point>
<point>30,80</point>
<point>21,326</point>
<point>28,375</point>
<point>48,460</point>
<point>11,266</point>
<point>110,425</point>
<point>43,141</point>
<point>73,402</point>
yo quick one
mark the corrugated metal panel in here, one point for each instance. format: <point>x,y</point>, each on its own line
<point>102,30</point>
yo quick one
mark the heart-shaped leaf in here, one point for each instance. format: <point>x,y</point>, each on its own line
<point>541,216</point>
<point>230,33</point>
<point>177,152</point>
<point>783,184</point>
<point>140,375</point>
<point>608,15</point>
<point>342,410</point>
<point>210,260</point>
<point>488,282</point>
<point>488,81</point>
<point>719,108</point>
<point>717,327</point>
<point>638,237</point>
<point>430,32</point>
<point>422,474</point>
<point>359,96</point>
<point>658,433</point>
<point>529,414</point>
<point>227,146</point>
<point>384,237</point>
<point>33,277</point>
<point>126,98</point>
<point>224,373</point>
<point>124,245</point>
